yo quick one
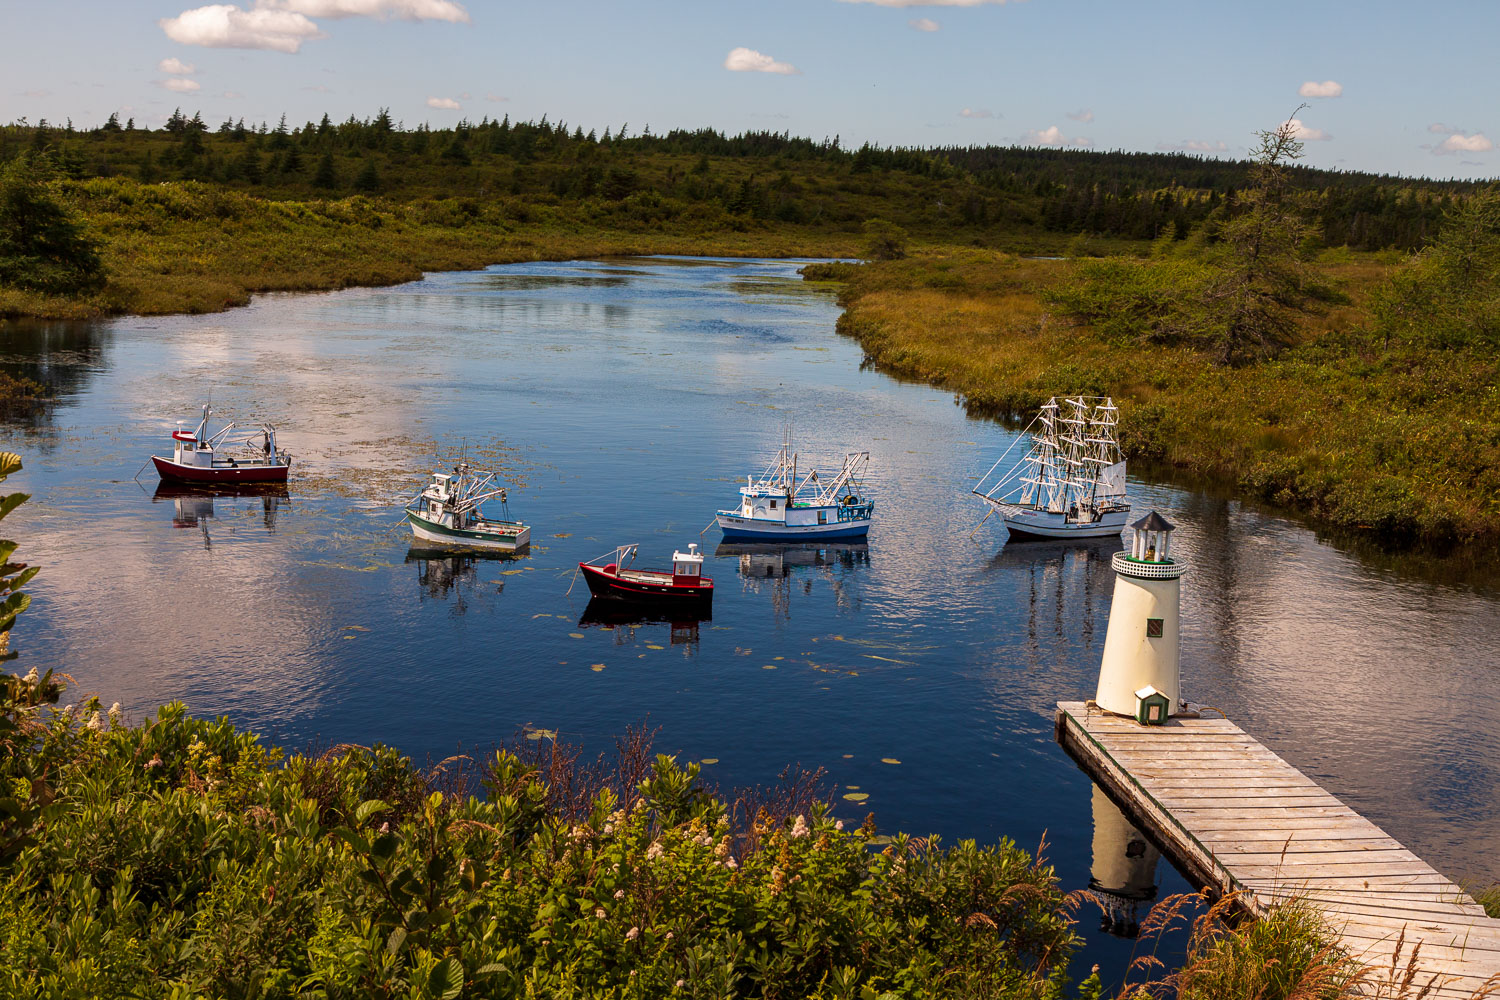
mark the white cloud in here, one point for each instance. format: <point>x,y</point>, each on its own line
<point>176,67</point>
<point>1328,88</point>
<point>1053,136</point>
<point>225,26</point>
<point>1302,132</point>
<point>180,85</point>
<point>283,25</point>
<point>1441,129</point>
<point>443,103</point>
<point>1458,142</point>
<point>924,24</point>
<point>927,3</point>
<point>408,10</point>
<point>743,60</point>
<point>1194,146</point>
<point>496,98</point>
<point>976,113</point>
<point>1084,115</point>
<point>231,95</point>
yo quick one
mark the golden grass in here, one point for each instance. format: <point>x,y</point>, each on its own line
<point>1400,441</point>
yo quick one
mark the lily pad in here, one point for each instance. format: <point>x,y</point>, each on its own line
<point>575,635</point>
<point>709,760</point>
<point>889,760</point>
<point>768,666</point>
<point>596,667</point>
<point>653,646</point>
<point>542,734</point>
<point>856,796</point>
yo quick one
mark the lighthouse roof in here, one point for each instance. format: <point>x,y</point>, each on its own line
<point>1153,522</point>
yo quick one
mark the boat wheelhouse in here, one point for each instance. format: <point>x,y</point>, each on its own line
<point>448,511</point>
<point>684,585</point>
<point>780,507</point>
<point>224,457</point>
<point>1071,481</point>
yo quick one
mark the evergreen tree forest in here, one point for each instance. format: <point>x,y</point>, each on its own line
<point>633,178</point>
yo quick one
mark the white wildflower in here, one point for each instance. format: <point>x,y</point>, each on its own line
<point>31,676</point>
<point>632,934</point>
<point>731,864</point>
<point>619,893</point>
<point>114,712</point>
<point>838,824</point>
<point>95,723</point>
<point>654,851</point>
<point>670,935</point>
<point>609,828</point>
<point>799,828</point>
<point>679,984</point>
<point>599,913</point>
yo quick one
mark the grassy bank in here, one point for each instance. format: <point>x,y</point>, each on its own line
<point>191,247</point>
<point>1372,434</point>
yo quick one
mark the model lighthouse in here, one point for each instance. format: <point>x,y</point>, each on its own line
<point>1140,674</point>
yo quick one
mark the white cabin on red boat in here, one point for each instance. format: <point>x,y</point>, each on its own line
<point>687,567</point>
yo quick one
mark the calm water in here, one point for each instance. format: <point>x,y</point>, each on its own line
<point>624,401</point>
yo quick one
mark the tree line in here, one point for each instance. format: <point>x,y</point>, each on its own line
<point>766,175</point>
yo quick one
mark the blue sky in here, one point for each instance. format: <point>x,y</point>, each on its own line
<point>1416,84</point>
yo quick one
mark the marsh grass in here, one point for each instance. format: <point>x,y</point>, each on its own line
<point>1288,954</point>
<point>1391,439</point>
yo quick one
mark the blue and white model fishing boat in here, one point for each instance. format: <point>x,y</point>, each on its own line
<point>1071,483</point>
<point>779,507</point>
<point>448,511</point>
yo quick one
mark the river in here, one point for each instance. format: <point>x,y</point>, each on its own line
<point>623,401</point>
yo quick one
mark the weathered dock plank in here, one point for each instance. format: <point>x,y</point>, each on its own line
<point>1239,819</point>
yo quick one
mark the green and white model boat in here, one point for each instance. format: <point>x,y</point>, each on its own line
<point>447,511</point>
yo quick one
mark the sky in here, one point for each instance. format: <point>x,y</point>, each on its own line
<point>1392,87</point>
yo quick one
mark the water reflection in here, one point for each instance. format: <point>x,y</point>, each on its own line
<point>769,567</point>
<point>1122,878</point>
<point>444,574</point>
<point>629,622</point>
<point>193,506</point>
<point>1065,586</point>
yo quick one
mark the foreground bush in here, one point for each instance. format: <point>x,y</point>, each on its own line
<point>183,858</point>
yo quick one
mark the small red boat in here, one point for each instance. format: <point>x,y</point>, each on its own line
<point>684,585</point>
<point>198,457</point>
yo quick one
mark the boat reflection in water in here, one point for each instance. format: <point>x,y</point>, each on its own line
<point>1123,877</point>
<point>764,564</point>
<point>193,506</point>
<point>624,619</point>
<point>445,573</point>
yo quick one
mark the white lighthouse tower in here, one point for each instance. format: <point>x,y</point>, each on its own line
<point>1141,647</point>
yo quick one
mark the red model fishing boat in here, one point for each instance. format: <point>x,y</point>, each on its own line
<point>684,585</point>
<point>224,458</point>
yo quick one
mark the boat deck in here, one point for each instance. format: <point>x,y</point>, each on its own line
<point>1239,819</point>
<point>646,576</point>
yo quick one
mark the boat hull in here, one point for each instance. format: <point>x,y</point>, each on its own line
<point>1046,524</point>
<point>503,541</point>
<point>751,529</point>
<point>614,587</point>
<point>226,475</point>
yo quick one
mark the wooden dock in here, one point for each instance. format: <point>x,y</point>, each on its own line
<point>1237,818</point>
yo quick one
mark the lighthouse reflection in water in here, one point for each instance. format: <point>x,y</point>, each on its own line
<point>1123,877</point>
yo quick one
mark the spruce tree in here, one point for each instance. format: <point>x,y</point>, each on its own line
<point>325,176</point>
<point>368,180</point>
<point>42,247</point>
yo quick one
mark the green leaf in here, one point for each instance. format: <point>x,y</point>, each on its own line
<point>9,462</point>
<point>446,981</point>
<point>11,501</point>
<point>396,940</point>
<point>384,847</point>
<point>369,808</point>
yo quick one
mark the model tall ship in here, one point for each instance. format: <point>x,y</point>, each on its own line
<point>1071,482</point>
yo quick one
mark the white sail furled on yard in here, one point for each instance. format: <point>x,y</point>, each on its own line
<point>1112,480</point>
